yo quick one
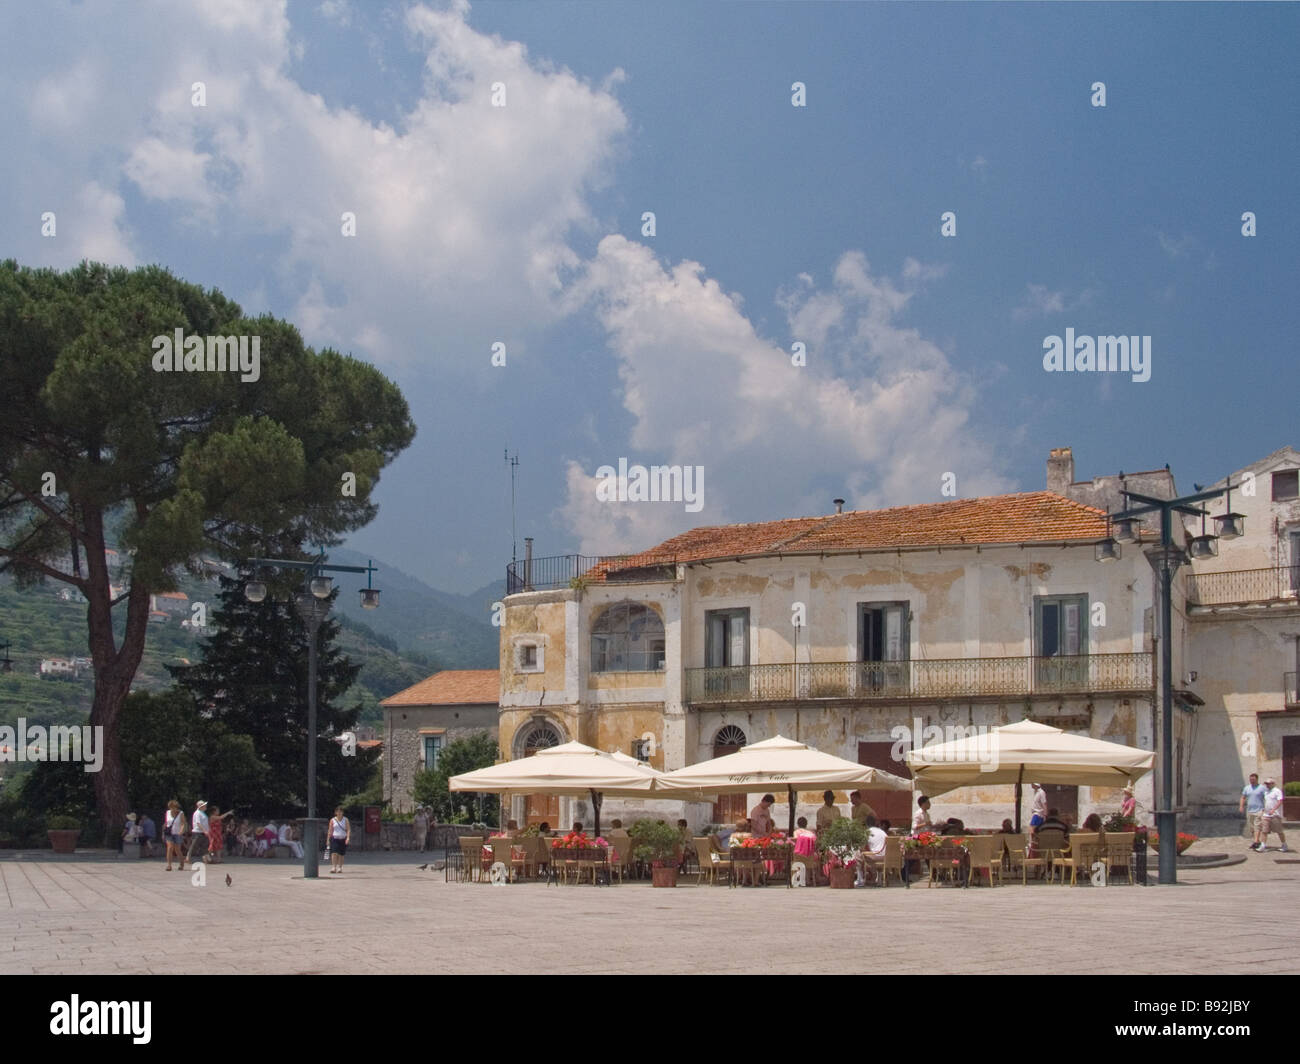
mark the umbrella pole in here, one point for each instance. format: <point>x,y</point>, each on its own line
<point>596,799</point>
<point>790,791</point>
<point>1019,788</point>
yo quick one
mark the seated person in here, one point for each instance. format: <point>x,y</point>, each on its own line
<point>512,828</point>
<point>1093,823</point>
<point>266,840</point>
<point>805,841</point>
<point>738,834</point>
<point>875,837</point>
<point>544,829</point>
<point>1007,828</point>
<point>1054,822</point>
<point>886,826</point>
<point>285,838</point>
<point>952,826</point>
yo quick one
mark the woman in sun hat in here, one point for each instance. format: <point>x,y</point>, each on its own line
<point>1128,807</point>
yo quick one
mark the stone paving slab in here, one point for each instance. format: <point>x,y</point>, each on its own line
<point>383,915</point>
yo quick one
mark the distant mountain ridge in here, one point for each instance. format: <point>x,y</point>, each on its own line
<point>454,631</point>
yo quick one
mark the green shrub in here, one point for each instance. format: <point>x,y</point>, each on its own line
<point>654,841</point>
<point>62,823</point>
<point>1291,790</point>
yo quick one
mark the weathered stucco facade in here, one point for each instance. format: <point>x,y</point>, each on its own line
<point>969,633</point>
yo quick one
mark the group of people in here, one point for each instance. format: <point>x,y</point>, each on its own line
<point>209,841</point>
<point>1263,805</point>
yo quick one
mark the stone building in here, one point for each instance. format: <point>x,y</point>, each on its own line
<point>861,632</point>
<point>424,718</point>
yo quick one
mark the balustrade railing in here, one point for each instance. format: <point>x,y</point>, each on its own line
<point>1243,585</point>
<point>941,678</point>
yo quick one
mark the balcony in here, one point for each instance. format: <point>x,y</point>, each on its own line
<point>1289,686</point>
<point>571,570</point>
<point>888,681</point>
<point>1239,587</point>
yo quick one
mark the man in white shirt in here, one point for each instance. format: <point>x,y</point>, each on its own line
<point>921,818</point>
<point>1038,810</point>
<point>1272,818</point>
<point>199,834</point>
<point>287,839</point>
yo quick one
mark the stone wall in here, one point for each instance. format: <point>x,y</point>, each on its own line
<point>399,835</point>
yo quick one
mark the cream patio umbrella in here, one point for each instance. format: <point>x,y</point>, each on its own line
<point>776,762</point>
<point>572,768</point>
<point>1026,750</point>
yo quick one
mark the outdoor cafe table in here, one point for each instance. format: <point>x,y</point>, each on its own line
<point>945,854</point>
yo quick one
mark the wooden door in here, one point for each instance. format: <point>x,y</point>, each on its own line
<point>728,808</point>
<point>1064,798</point>
<point>541,808</point>
<point>1290,759</point>
<point>894,806</point>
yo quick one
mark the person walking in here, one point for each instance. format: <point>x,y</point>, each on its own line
<point>1252,804</point>
<point>340,834</point>
<point>174,833</point>
<point>1272,817</point>
<point>1038,808</point>
<point>420,826</point>
<point>148,832</point>
<point>198,833</point>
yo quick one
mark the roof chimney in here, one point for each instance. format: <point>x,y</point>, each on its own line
<point>839,505</point>
<point>1060,470</point>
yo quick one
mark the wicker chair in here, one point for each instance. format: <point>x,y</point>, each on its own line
<point>1049,843</point>
<point>1117,854</point>
<point>1081,854</point>
<point>981,856</point>
<point>712,864</point>
<point>746,862</point>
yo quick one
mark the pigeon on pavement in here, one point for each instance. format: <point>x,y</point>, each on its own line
<point>228,879</point>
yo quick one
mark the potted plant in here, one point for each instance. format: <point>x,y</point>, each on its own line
<point>1291,800</point>
<point>63,833</point>
<point>842,841</point>
<point>659,844</point>
<point>1185,840</point>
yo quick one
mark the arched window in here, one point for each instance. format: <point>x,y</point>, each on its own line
<point>729,738</point>
<point>535,736</point>
<point>627,637</point>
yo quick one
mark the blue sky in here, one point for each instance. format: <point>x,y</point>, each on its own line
<point>774,224</point>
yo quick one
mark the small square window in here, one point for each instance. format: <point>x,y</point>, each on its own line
<point>1286,485</point>
<point>528,657</point>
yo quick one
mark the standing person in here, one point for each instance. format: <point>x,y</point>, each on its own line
<point>1038,808</point>
<point>420,826</point>
<point>827,814</point>
<point>1128,807</point>
<point>199,829</point>
<point>860,808</point>
<point>921,818</point>
<point>217,834</point>
<point>174,830</point>
<point>130,833</point>
<point>1252,804</point>
<point>1271,820</point>
<point>148,832</point>
<point>760,817</point>
<point>340,834</point>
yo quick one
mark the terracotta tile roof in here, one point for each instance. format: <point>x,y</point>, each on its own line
<point>1029,517</point>
<point>451,687</point>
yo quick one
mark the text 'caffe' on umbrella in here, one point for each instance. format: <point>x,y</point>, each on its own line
<point>1025,750</point>
<point>773,764</point>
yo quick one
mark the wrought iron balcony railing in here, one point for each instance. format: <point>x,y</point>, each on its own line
<point>942,678</point>
<point>566,570</point>
<point>1289,686</point>
<point>1240,586</point>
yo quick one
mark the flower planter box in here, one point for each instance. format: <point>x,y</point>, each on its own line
<point>63,840</point>
<point>663,876</point>
<point>843,878</point>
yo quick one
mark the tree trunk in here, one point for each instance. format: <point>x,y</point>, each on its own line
<point>114,670</point>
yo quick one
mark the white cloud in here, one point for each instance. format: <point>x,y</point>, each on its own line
<point>878,407</point>
<point>1039,299</point>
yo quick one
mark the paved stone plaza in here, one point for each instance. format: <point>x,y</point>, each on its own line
<point>96,913</point>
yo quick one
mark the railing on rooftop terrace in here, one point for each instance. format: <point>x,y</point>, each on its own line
<point>936,678</point>
<point>1238,586</point>
<point>566,570</point>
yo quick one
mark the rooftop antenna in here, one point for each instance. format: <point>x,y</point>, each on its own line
<point>514,464</point>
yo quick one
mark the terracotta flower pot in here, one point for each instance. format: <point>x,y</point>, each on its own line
<point>843,878</point>
<point>663,876</point>
<point>63,840</point>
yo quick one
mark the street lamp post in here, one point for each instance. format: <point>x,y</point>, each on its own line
<point>1165,560</point>
<point>313,607</point>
